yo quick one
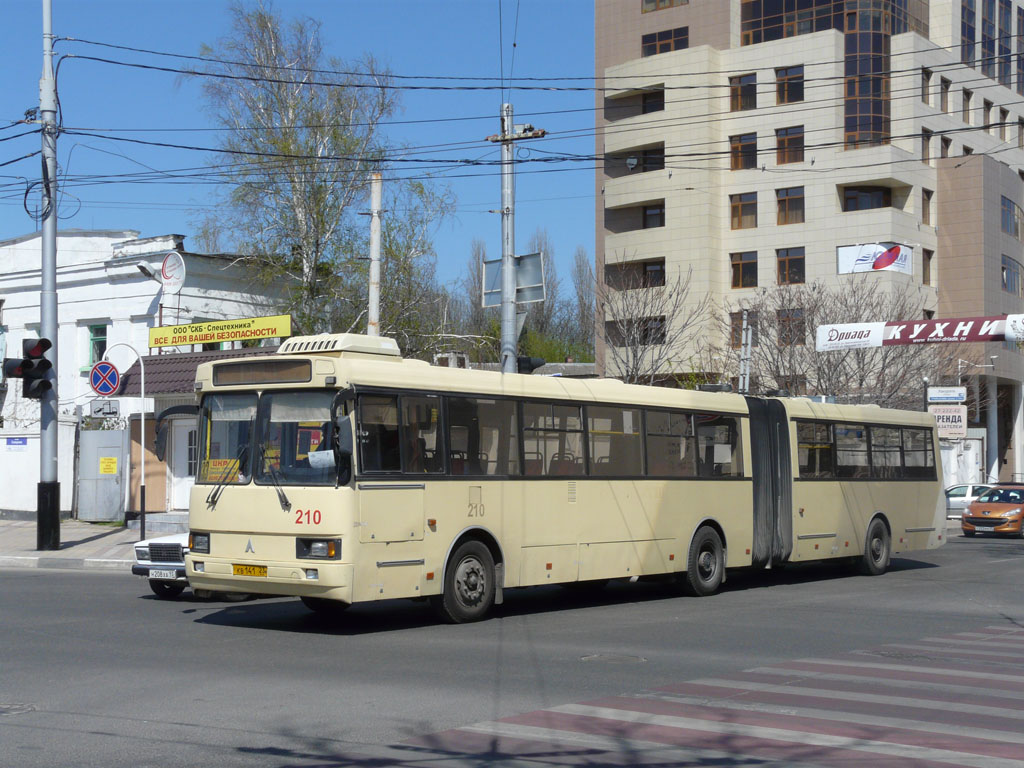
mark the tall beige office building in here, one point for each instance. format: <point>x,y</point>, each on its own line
<point>768,142</point>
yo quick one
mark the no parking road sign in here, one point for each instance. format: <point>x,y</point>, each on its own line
<point>104,379</point>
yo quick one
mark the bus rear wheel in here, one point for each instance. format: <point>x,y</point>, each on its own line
<point>877,543</point>
<point>705,566</point>
<point>468,584</point>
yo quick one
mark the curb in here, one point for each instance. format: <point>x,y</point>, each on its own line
<point>63,563</point>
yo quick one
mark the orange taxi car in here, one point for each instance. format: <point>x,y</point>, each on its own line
<point>999,510</point>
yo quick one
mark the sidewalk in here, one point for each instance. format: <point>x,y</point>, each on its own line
<point>82,546</point>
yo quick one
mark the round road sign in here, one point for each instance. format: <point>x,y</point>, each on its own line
<point>172,272</point>
<point>104,379</point>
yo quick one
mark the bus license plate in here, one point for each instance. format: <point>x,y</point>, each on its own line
<point>155,573</point>
<point>249,570</point>
<point>984,528</point>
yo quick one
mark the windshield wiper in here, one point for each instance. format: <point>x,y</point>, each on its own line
<point>282,499</point>
<point>214,494</point>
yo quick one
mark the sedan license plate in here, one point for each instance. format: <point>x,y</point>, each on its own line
<point>984,528</point>
<point>249,570</point>
<point>157,573</point>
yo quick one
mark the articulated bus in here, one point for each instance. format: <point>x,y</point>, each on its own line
<point>339,472</point>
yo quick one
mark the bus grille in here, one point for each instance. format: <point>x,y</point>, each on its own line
<point>165,553</point>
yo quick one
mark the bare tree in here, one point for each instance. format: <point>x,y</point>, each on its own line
<point>582,324</point>
<point>544,316</point>
<point>783,355</point>
<point>296,155</point>
<point>648,328</point>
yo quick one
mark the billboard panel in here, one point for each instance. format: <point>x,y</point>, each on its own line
<point>875,257</point>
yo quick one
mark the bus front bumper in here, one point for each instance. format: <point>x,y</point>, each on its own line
<point>312,579</point>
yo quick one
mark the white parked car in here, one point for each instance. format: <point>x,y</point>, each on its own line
<point>162,561</point>
<point>960,497</point>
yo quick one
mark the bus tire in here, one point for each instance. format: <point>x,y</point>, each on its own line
<point>705,565</point>
<point>323,605</point>
<point>166,590</point>
<point>468,584</point>
<point>877,547</point>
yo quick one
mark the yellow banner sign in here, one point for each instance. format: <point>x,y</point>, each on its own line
<point>108,465</point>
<point>217,331</point>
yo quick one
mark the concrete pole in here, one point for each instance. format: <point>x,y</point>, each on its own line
<point>48,490</point>
<point>1018,432</point>
<point>373,312</point>
<point>991,430</point>
<point>508,249</point>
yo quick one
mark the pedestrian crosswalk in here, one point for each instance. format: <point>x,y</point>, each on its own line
<point>946,701</point>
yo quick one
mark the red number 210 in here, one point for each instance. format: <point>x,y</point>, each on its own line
<point>310,515</point>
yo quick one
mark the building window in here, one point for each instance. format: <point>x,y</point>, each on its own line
<point>1004,118</point>
<point>1020,133</point>
<point>791,265</point>
<point>743,151</point>
<point>926,145</point>
<point>944,145</point>
<point>192,461</point>
<point>789,85</point>
<point>1011,218</point>
<point>790,203</point>
<point>988,39</point>
<point>1020,51</point>
<point>792,328</point>
<point>967,32</point>
<point>926,266</point>
<point>789,145</point>
<point>744,269</point>
<point>654,216</point>
<point>1011,276</point>
<point>652,101</point>
<point>926,84</point>
<point>658,5</point>
<point>986,115</point>
<point>926,206</point>
<point>642,161</point>
<point>742,92</point>
<point>1005,30</point>
<point>866,198</point>
<point>944,86</point>
<point>744,210</point>
<point>736,329</point>
<point>965,105</point>
<point>665,41</point>
<point>97,343</point>
<point>643,331</point>
<point>635,274</point>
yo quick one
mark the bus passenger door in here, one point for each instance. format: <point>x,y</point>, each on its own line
<point>772,471</point>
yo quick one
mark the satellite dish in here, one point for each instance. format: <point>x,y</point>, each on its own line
<point>172,272</point>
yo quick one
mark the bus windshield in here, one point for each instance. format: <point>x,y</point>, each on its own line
<point>294,439</point>
<point>226,423</point>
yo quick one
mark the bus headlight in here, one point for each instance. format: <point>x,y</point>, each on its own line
<point>199,542</point>
<point>318,549</point>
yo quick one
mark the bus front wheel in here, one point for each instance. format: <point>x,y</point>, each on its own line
<point>705,566</point>
<point>468,584</point>
<point>875,560</point>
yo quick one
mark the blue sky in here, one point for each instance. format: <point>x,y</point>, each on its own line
<point>452,38</point>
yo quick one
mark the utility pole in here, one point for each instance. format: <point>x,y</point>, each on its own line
<point>373,312</point>
<point>509,135</point>
<point>48,490</point>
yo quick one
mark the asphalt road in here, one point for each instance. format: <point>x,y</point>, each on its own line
<point>95,671</point>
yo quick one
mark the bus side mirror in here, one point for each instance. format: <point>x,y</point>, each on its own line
<point>160,442</point>
<point>343,432</point>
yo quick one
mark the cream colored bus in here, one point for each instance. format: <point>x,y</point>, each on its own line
<point>338,472</point>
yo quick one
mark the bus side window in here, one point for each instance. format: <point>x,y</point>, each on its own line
<point>420,434</point>
<point>378,434</point>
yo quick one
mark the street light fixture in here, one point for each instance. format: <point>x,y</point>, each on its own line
<point>960,363</point>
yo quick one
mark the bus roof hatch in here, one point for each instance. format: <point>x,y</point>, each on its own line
<point>337,344</point>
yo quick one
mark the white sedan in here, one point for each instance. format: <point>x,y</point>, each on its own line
<point>162,561</point>
<point>960,497</point>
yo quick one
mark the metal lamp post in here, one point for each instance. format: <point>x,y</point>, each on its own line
<point>142,436</point>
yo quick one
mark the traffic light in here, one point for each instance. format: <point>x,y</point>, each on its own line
<point>526,364</point>
<point>31,368</point>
